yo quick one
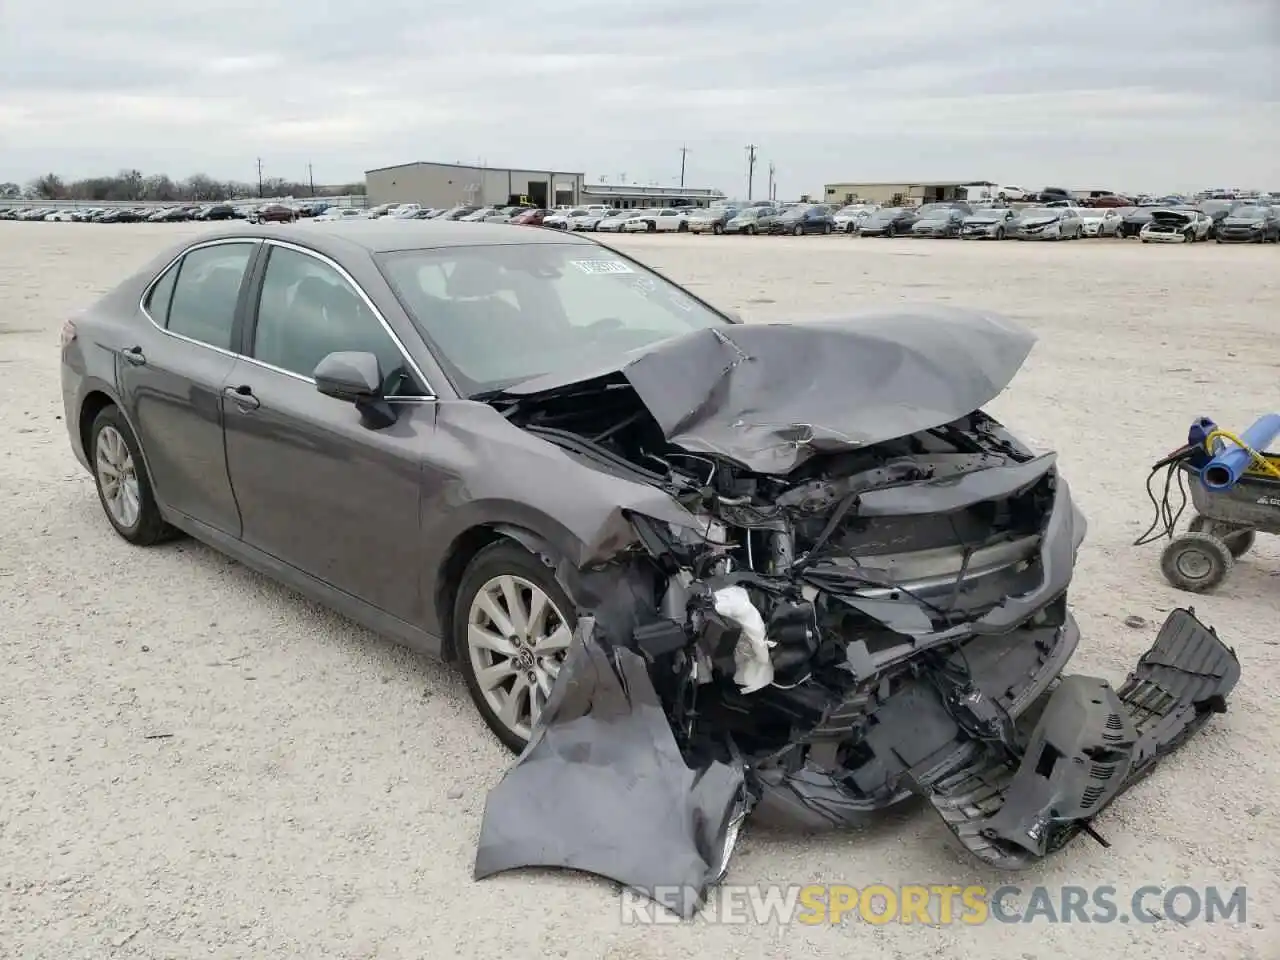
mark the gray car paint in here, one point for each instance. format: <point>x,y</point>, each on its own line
<point>451,467</point>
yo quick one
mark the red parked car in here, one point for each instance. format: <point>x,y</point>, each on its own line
<point>276,213</point>
<point>530,218</point>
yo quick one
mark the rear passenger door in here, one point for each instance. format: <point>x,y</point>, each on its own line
<point>318,488</point>
<point>171,380</point>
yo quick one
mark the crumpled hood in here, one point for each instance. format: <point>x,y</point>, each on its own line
<point>1170,216</point>
<point>771,395</point>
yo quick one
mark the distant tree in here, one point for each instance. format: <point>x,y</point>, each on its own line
<point>198,186</point>
<point>131,184</point>
<point>48,187</point>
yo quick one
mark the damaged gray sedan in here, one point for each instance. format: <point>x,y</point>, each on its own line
<point>691,569</point>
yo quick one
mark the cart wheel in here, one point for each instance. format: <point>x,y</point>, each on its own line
<point>1196,562</point>
<point>1239,540</point>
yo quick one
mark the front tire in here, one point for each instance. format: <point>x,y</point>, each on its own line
<point>798,231</point>
<point>124,490</point>
<point>512,624</point>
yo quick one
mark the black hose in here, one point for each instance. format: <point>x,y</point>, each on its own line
<point>1166,519</point>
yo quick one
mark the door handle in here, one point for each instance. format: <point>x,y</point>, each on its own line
<point>134,355</point>
<point>243,396</point>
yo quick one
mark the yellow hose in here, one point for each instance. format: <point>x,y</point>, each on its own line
<point>1266,465</point>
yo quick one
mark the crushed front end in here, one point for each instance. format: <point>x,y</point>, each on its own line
<point>863,625</point>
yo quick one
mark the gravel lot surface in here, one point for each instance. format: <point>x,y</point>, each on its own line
<point>196,762</point>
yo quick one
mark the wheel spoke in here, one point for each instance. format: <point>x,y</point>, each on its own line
<point>491,677</point>
<point>495,613</point>
<point>539,607</point>
<point>513,706</point>
<point>481,639</point>
<point>556,642</point>
<point>516,608</point>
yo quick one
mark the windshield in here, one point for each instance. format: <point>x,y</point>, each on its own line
<point>1249,213</point>
<point>887,214</point>
<point>749,214</point>
<point>552,308</point>
<point>1039,212</point>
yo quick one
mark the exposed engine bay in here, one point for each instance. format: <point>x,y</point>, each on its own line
<point>868,622</point>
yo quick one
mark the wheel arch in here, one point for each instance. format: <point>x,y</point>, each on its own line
<point>464,548</point>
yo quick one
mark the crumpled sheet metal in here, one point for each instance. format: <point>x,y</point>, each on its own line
<point>602,788</point>
<point>770,396</point>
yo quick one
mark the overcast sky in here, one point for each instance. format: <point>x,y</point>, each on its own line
<point>1123,94</point>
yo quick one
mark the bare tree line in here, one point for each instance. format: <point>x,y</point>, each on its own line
<point>134,185</point>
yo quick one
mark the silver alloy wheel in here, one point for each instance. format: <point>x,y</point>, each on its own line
<point>117,477</point>
<point>517,640</point>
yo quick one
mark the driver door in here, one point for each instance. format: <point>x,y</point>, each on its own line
<point>318,487</point>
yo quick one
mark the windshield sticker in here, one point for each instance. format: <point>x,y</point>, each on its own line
<point>596,267</point>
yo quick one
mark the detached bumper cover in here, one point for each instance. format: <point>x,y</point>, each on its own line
<point>1090,745</point>
<point>602,788</point>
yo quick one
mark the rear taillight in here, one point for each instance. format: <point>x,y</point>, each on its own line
<point>68,334</point>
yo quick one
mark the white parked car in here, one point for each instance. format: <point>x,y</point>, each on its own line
<point>340,213</point>
<point>570,219</point>
<point>663,220</point>
<point>1176,226</point>
<point>613,223</point>
<point>479,215</point>
<point>61,216</point>
<point>1101,222</point>
<point>850,219</point>
<point>1012,193</point>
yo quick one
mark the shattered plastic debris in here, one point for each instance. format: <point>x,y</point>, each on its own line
<point>751,655</point>
<point>602,787</point>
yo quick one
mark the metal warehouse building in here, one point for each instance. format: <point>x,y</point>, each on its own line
<point>626,197</point>
<point>894,194</point>
<point>448,184</point>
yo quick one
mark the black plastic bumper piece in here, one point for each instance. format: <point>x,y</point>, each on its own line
<point>1090,744</point>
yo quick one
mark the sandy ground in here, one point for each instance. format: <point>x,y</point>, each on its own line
<point>318,791</point>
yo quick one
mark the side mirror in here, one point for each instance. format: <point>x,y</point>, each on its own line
<point>349,376</point>
<point>356,378</point>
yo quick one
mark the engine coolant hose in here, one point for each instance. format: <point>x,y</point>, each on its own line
<point>1226,467</point>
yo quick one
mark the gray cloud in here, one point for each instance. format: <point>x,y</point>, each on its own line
<point>1144,93</point>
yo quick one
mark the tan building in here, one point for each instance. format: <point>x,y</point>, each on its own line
<point>449,184</point>
<point>898,194</point>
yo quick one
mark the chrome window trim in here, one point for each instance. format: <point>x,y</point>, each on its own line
<point>328,261</point>
<point>146,291</point>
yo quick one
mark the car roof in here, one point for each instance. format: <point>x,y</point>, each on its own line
<point>375,236</point>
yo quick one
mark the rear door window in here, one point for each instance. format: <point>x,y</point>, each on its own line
<point>203,304</point>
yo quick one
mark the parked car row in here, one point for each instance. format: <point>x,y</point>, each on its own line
<point>256,212</point>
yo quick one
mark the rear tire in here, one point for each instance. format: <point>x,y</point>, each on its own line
<point>1196,562</point>
<point>798,231</point>
<point>124,489</point>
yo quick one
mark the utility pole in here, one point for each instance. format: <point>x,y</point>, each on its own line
<point>311,178</point>
<point>772,188</point>
<point>684,152</point>
<point>751,168</point>
<point>259,178</point>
